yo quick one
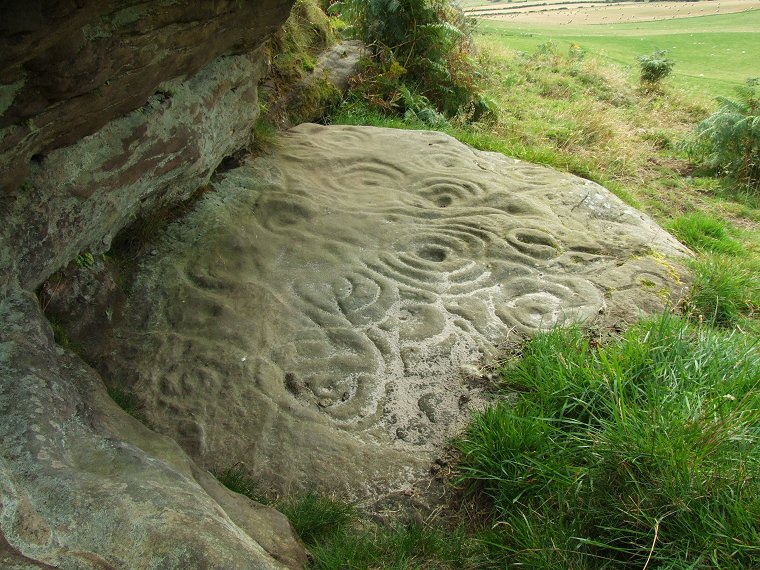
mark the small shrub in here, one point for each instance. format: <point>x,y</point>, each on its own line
<point>728,141</point>
<point>655,67</point>
<point>423,45</point>
<point>576,52</point>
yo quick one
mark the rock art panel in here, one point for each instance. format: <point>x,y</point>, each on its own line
<point>318,315</point>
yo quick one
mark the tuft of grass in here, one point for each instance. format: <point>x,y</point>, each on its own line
<point>705,234</point>
<point>401,547</point>
<point>264,135</point>
<point>725,291</point>
<point>316,517</point>
<point>236,478</point>
<point>640,453</point>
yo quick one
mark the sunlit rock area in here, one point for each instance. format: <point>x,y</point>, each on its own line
<point>324,312</point>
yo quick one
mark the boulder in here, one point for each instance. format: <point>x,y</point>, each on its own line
<point>68,69</point>
<point>323,314</point>
<point>110,110</point>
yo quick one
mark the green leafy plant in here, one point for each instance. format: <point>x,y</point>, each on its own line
<point>655,67</point>
<point>419,108</point>
<point>85,259</point>
<point>423,45</point>
<point>728,141</point>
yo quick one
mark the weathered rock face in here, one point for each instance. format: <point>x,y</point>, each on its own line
<point>69,68</point>
<point>309,100</point>
<point>318,315</point>
<point>83,485</point>
<point>109,109</point>
<point>160,91</point>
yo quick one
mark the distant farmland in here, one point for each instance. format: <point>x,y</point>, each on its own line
<point>565,12</point>
<point>713,53</point>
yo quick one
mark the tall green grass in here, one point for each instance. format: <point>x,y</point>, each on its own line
<point>726,287</point>
<point>317,518</point>
<point>401,547</point>
<point>726,291</point>
<point>640,453</point>
<point>704,233</point>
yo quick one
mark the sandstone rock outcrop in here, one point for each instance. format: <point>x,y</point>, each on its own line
<point>84,485</point>
<point>318,315</point>
<point>143,101</point>
<point>107,110</point>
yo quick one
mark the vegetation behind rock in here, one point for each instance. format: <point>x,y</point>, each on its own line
<point>422,54</point>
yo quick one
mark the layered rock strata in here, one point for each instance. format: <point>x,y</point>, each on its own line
<point>142,100</point>
<point>108,110</point>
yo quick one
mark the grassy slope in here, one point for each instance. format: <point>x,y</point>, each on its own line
<point>712,53</point>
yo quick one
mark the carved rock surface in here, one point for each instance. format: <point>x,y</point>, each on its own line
<point>83,485</point>
<point>318,316</point>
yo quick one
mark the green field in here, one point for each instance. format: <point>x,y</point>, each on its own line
<point>473,3</point>
<point>713,54</point>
